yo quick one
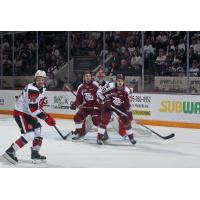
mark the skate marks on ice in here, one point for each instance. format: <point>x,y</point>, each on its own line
<point>144,144</point>
<point>26,163</point>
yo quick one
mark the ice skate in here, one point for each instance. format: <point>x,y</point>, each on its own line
<point>10,155</point>
<point>36,157</point>
<point>131,139</point>
<point>78,138</point>
<point>100,139</point>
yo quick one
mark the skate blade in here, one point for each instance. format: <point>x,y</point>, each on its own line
<point>78,140</point>
<point>37,161</point>
<point>9,159</point>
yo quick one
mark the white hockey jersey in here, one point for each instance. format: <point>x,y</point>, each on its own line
<point>31,100</point>
<point>100,85</point>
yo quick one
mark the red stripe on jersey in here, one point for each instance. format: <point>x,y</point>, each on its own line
<point>19,143</point>
<point>17,113</point>
<point>24,122</point>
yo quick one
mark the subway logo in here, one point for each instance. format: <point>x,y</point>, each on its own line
<point>186,107</point>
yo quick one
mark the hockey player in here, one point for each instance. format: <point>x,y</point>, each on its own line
<point>100,82</point>
<point>100,75</point>
<point>117,95</point>
<point>28,108</point>
<point>86,100</point>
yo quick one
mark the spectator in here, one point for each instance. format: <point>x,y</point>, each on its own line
<point>161,40</point>
<point>112,69</point>
<point>136,61</point>
<point>193,45</point>
<point>182,56</point>
<point>194,70</point>
<point>197,47</point>
<point>18,65</point>
<point>148,49</point>
<point>7,66</point>
<point>124,68</point>
<point>55,51</point>
<point>192,55</point>
<point>160,62</point>
<point>171,46</point>
<point>181,45</point>
<point>77,82</point>
<point>131,47</point>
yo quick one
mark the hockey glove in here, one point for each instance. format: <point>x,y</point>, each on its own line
<point>50,120</point>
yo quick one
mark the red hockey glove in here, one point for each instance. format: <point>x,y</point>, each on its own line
<point>50,120</point>
<point>73,106</point>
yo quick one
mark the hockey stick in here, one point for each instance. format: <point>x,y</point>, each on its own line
<point>71,90</point>
<point>95,108</point>
<point>61,135</point>
<point>163,137</point>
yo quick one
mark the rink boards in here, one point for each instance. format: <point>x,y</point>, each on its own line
<point>152,109</point>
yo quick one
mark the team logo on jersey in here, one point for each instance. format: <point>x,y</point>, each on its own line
<point>117,101</point>
<point>88,96</point>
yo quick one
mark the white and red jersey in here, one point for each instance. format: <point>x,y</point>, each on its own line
<point>31,101</point>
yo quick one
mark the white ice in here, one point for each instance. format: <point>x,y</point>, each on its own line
<point>150,150</point>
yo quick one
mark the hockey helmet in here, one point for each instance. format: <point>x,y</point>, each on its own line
<point>40,73</point>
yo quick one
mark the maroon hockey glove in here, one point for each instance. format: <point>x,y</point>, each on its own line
<point>73,106</point>
<point>50,120</point>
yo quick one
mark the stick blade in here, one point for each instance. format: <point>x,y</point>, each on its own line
<point>168,136</point>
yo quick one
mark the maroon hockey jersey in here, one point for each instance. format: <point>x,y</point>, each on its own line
<point>86,94</point>
<point>118,97</point>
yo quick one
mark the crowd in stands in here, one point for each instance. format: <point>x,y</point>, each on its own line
<point>165,53</point>
<point>51,52</point>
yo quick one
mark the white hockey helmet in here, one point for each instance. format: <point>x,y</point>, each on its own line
<point>40,73</point>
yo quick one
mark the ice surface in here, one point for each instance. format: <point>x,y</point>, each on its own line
<point>150,150</point>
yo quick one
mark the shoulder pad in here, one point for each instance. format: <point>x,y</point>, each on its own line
<point>32,87</point>
<point>111,85</point>
<point>79,86</point>
<point>95,83</point>
<point>127,90</point>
